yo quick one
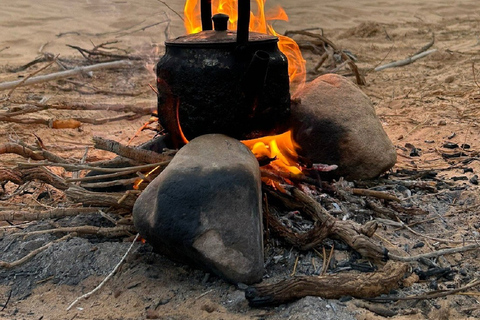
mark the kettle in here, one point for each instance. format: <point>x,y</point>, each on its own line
<point>222,81</point>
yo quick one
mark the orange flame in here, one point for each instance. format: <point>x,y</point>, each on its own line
<point>281,149</point>
<point>259,22</point>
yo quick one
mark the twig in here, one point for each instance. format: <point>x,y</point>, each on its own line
<point>106,232</point>
<point>427,46</point>
<point>406,61</point>
<point>92,166</point>
<point>63,74</point>
<point>13,215</point>
<point>101,199</point>
<point>43,174</point>
<point>88,294</point>
<point>430,295</point>
<point>375,193</point>
<point>9,265</point>
<point>434,254</point>
<point>141,108</point>
<point>24,80</point>
<point>166,5</point>
<point>95,52</point>
<point>108,184</point>
<point>137,154</point>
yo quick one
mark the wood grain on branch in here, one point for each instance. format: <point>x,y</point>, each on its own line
<point>333,286</point>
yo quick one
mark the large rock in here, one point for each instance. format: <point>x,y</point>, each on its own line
<point>205,209</point>
<point>335,123</point>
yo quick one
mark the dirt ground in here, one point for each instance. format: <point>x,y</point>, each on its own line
<point>422,106</point>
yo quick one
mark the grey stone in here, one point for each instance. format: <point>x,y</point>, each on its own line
<point>335,123</point>
<point>205,209</point>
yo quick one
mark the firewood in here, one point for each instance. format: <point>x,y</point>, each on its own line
<point>100,199</point>
<point>19,177</point>
<point>333,286</point>
<point>112,232</point>
<point>137,154</point>
<point>353,234</point>
<point>35,215</point>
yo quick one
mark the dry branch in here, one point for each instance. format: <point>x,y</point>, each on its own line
<point>404,62</point>
<point>20,150</point>
<point>112,232</point>
<point>9,265</point>
<point>435,254</point>
<point>334,286</point>
<point>19,177</point>
<point>430,295</point>
<point>63,74</point>
<point>348,231</point>
<point>34,215</point>
<point>375,193</point>
<point>100,199</point>
<point>137,154</point>
<point>93,166</point>
<point>143,108</point>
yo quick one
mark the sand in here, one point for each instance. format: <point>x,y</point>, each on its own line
<point>422,104</point>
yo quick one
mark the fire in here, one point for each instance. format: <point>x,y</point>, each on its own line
<point>259,22</point>
<point>279,149</point>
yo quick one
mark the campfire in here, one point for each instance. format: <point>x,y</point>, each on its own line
<point>227,172</point>
<point>256,109</point>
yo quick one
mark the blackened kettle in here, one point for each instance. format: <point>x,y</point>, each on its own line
<point>222,81</point>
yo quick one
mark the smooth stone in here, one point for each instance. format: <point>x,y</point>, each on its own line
<point>205,209</point>
<point>336,123</point>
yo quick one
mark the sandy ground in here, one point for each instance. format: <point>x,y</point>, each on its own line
<point>424,104</point>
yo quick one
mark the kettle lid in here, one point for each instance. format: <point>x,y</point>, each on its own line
<point>215,37</point>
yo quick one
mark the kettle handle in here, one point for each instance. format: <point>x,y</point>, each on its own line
<point>206,14</point>
<point>243,22</point>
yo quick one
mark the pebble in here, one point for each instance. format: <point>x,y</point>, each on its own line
<point>474,180</point>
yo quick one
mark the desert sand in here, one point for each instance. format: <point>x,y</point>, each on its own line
<point>425,104</point>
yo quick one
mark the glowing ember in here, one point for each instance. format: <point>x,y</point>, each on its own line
<point>259,22</point>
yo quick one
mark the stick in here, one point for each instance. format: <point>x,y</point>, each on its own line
<point>427,46</point>
<point>92,166</point>
<point>63,74</point>
<point>24,80</point>
<point>107,232</point>
<point>100,199</point>
<point>16,215</point>
<point>430,295</point>
<point>375,193</point>
<point>43,174</point>
<point>333,286</point>
<point>140,107</point>
<point>349,231</point>
<point>137,154</point>
<point>434,254</point>
<point>88,294</point>
<point>9,265</point>
<point>406,61</point>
